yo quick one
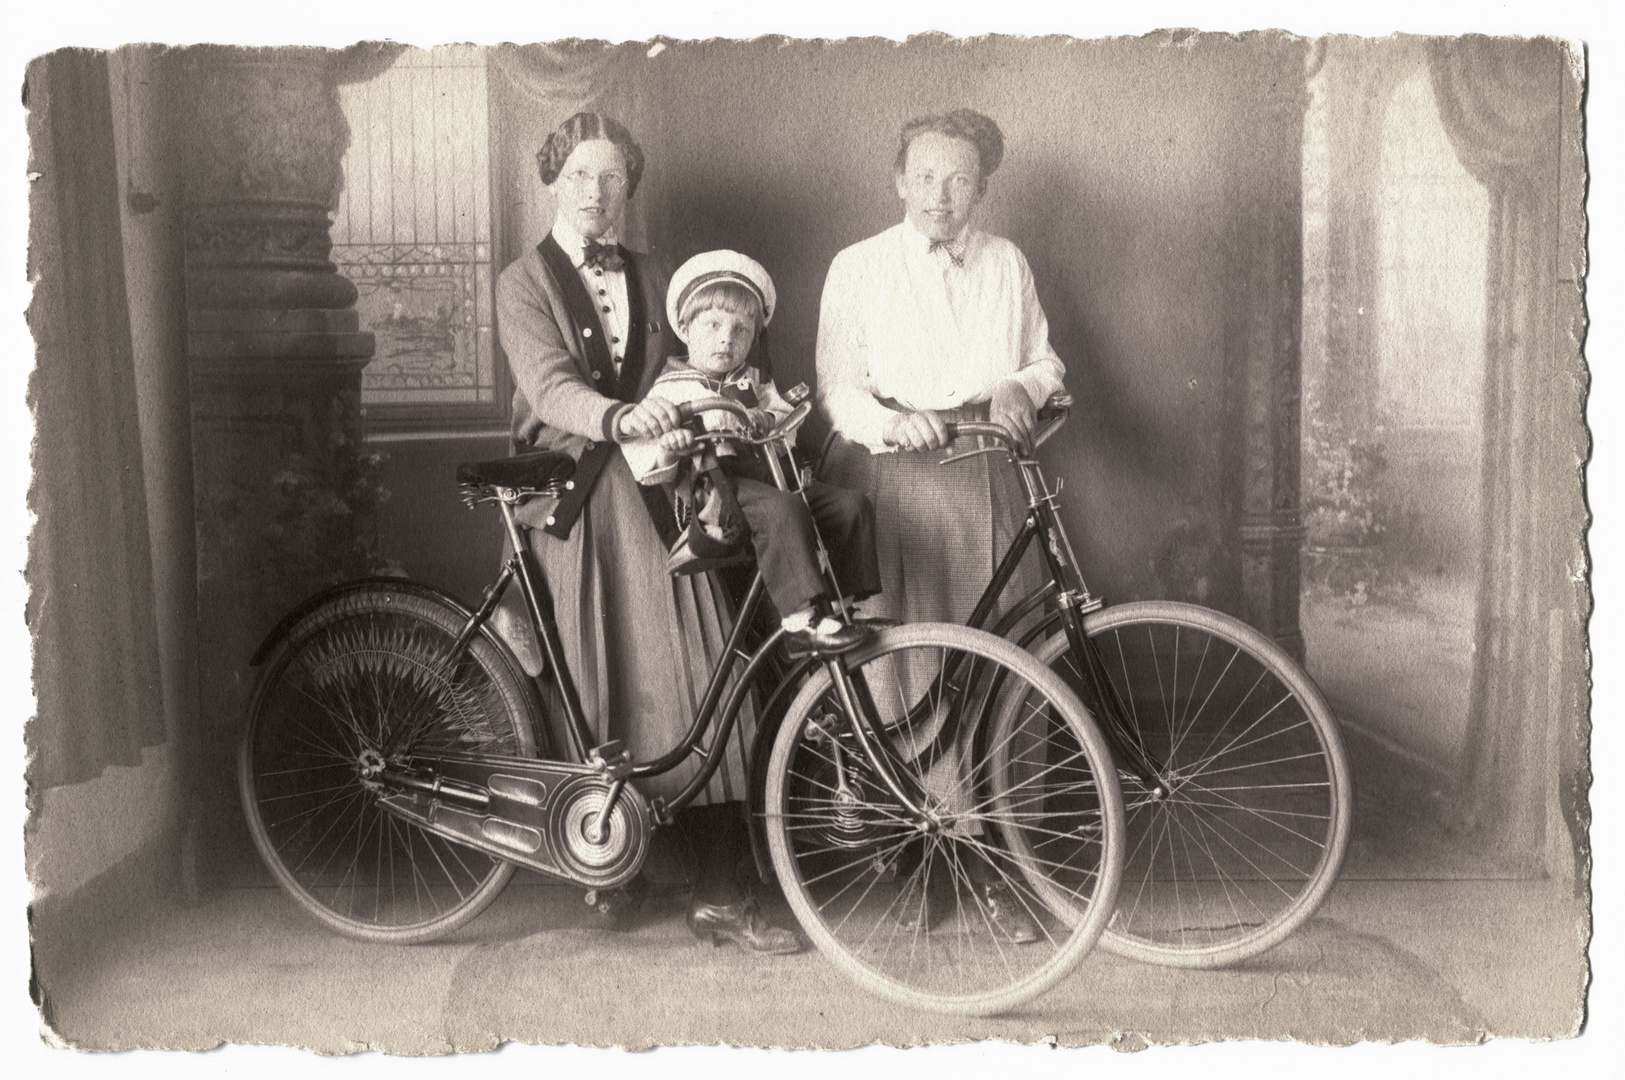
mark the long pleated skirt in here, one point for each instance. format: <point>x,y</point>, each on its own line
<point>640,643</point>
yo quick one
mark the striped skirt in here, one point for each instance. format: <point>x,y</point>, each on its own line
<point>941,530</point>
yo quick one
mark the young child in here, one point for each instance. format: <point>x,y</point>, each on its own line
<point>718,304</point>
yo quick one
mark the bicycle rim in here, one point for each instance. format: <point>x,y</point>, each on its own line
<point>901,908</point>
<point>369,678</point>
<point>1250,838</point>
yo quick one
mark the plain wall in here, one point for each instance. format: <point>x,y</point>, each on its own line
<point>425,526</point>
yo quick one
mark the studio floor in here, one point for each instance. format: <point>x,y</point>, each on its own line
<point>1448,960</point>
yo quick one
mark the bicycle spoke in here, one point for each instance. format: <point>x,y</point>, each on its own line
<point>896,900</point>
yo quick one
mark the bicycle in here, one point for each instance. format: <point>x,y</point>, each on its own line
<point>394,772</point>
<point>1234,775</point>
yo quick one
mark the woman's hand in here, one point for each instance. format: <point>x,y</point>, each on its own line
<point>649,419</point>
<point>1012,409</point>
<point>923,430</point>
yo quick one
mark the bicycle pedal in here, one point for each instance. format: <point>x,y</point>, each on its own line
<point>611,758</point>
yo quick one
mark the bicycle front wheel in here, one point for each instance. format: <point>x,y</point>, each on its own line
<point>909,904</point>
<point>364,680</point>
<point>1252,832</point>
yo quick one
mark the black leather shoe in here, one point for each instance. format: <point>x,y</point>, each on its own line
<point>917,911</point>
<point>832,643</point>
<point>742,924</point>
<point>1005,911</point>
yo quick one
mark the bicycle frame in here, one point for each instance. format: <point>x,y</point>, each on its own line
<point>459,779</point>
<point>1066,589</point>
<point>715,713</point>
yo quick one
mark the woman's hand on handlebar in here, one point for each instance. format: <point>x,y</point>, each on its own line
<point>1012,409</point>
<point>923,430</point>
<point>649,419</point>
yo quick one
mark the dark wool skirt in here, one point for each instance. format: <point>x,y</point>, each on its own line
<point>640,643</point>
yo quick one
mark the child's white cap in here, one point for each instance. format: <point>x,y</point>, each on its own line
<point>710,267</point>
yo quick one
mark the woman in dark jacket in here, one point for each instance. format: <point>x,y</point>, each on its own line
<point>579,317</point>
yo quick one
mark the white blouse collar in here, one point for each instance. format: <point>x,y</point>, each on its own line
<point>917,240</point>
<point>573,243</point>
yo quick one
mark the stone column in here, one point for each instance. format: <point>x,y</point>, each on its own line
<point>282,484</point>
<point>1263,359</point>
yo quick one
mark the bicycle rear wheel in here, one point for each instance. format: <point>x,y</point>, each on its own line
<point>1251,836</point>
<point>368,678</point>
<point>899,903</point>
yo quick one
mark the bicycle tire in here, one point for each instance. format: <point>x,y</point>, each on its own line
<point>852,865</point>
<point>367,673</point>
<point>1251,839</point>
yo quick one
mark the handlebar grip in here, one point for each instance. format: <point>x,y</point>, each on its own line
<point>978,427</point>
<point>1056,407</point>
<point>1058,404</point>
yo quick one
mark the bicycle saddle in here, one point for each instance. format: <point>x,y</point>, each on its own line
<point>523,472</point>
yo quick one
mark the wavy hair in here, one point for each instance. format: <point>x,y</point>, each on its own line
<point>967,124</point>
<point>584,127</point>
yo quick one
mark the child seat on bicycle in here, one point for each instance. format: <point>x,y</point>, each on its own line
<point>719,304</point>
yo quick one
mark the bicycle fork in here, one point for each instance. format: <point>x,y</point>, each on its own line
<point>909,795</point>
<point>1099,692</point>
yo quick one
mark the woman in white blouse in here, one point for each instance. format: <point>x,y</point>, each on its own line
<point>929,322</point>
<point>933,321</point>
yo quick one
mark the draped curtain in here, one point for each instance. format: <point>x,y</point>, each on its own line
<point>91,604</point>
<point>1506,104</point>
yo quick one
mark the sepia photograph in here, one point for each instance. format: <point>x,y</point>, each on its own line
<point>807,540</point>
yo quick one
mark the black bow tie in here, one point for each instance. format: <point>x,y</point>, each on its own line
<point>954,248</point>
<point>603,256</point>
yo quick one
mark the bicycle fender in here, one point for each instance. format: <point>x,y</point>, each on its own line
<point>305,607</point>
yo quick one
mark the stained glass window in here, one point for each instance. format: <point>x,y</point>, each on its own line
<point>413,231</point>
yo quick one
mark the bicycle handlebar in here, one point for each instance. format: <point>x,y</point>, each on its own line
<point>786,426</point>
<point>1050,418</point>
<point>688,410</point>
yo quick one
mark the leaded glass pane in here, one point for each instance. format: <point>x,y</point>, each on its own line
<point>413,228</point>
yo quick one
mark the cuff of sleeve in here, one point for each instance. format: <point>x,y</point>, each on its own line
<point>863,421</point>
<point>1032,380</point>
<point>612,421</point>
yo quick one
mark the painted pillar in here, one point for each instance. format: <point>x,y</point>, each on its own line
<point>1262,348</point>
<point>282,490</point>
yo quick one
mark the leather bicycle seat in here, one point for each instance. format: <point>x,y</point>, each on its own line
<point>522,472</point>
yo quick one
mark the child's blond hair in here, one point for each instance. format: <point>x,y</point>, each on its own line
<point>730,296</point>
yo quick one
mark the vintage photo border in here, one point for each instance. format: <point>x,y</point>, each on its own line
<point>73,24</point>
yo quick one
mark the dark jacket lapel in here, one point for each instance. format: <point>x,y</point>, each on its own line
<point>579,306</point>
<point>631,385</point>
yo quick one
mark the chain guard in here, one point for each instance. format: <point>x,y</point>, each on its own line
<point>540,815</point>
